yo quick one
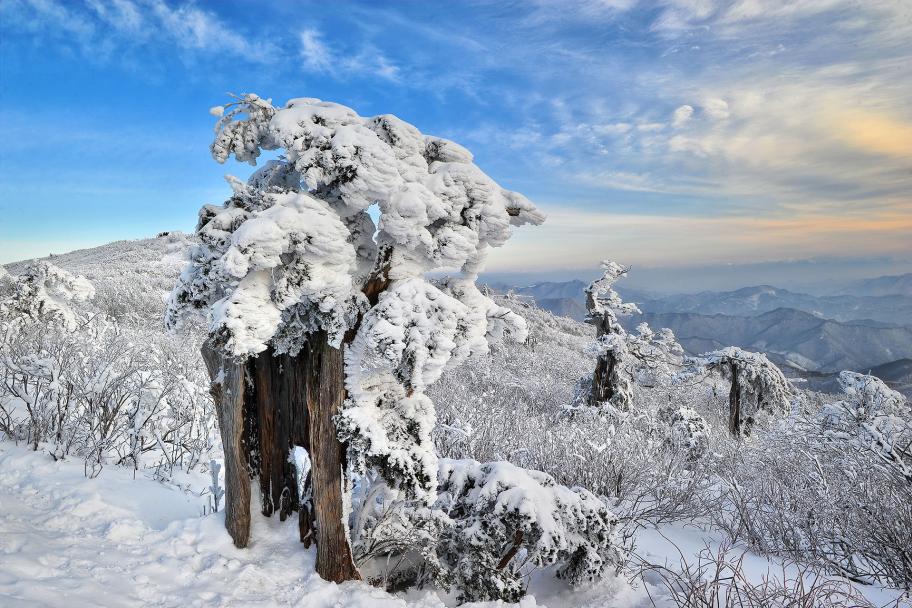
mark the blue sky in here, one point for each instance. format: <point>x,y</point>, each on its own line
<point>662,134</point>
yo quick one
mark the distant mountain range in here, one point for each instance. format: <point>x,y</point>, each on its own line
<point>880,286</point>
<point>802,340</point>
<point>567,299</point>
<point>867,328</point>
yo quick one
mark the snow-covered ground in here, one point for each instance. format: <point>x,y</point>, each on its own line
<point>119,541</point>
<point>67,540</point>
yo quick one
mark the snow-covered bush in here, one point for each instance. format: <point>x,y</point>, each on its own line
<point>807,491</point>
<point>7,283</point>
<point>687,432</point>
<point>491,523</point>
<point>400,535</point>
<point>43,293</point>
<point>872,416</point>
<point>511,414</point>
<point>656,358</point>
<point>109,394</point>
<point>505,517</point>
<point>721,578</point>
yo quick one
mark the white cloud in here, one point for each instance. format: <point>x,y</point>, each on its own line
<point>100,27</point>
<point>320,57</point>
<point>716,109</point>
<point>316,56</point>
<point>681,115</point>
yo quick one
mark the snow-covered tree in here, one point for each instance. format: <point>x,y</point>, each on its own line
<point>611,384</point>
<point>6,281</point>
<point>323,328</point>
<point>686,431</point>
<point>872,416</point>
<point>504,517</point>
<point>44,292</point>
<point>757,385</point>
<point>655,357</point>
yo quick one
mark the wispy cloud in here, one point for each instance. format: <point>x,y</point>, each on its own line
<point>318,56</point>
<point>99,29</point>
<point>684,239</point>
<point>665,128</point>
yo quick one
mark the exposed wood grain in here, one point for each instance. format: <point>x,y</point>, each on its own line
<point>325,394</point>
<point>278,396</point>
<point>228,388</point>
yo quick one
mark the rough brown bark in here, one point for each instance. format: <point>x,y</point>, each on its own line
<point>734,403</point>
<point>278,399</point>
<point>511,553</point>
<point>601,379</point>
<point>274,403</point>
<point>325,394</point>
<point>228,388</point>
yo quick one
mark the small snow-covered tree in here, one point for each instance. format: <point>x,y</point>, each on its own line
<point>6,282</point>
<point>656,357</point>
<point>324,331</point>
<point>757,385</point>
<point>611,384</point>
<point>874,417</point>
<point>44,292</point>
<point>686,431</point>
<point>504,517</point>
<point>623,359</point>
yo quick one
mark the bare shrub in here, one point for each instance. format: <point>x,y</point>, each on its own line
<point>718,578</point>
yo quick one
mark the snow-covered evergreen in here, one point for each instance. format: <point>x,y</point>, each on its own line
<point>294,251</point>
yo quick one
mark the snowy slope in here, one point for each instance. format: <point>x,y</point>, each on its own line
<point>112,541</point>
<point>120,541</point>
<point>115,541</point>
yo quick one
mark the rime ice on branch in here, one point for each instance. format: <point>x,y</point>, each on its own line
<point>496,506</point>
<point>293,268</point>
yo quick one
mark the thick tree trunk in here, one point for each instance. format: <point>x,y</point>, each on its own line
<point>325,394</point>
<point>734,403</point>
<point>228,388</point>
<point>278,399</point>
<point>602,390</point>
<point>272,404</point>
<point>267,407</point>
<point>295,399</point>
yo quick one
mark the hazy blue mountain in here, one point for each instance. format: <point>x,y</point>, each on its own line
<point>892,309</point>
<point>880,286</point>
<point>796,337</point>
<point>800,331</point>
<point>896,374</point>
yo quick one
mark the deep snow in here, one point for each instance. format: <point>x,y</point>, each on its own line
<point>67,540</point>
<point>117,541</point>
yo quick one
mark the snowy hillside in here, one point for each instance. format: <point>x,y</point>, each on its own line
<point>149,536</point>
